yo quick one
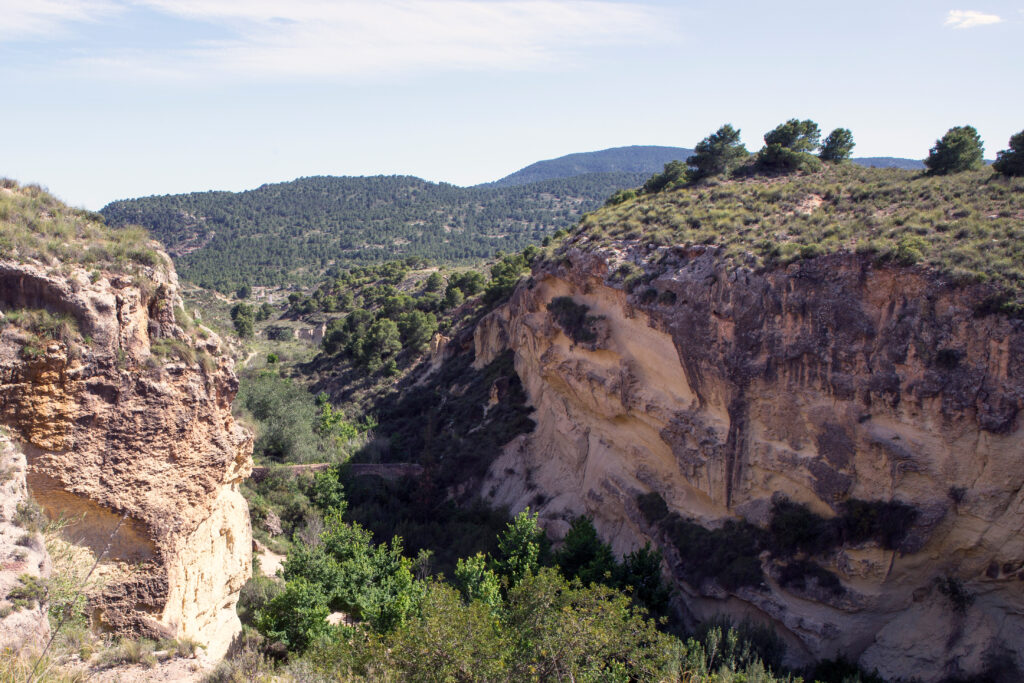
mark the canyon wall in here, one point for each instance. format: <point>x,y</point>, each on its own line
<point>129,437</point>
<point>724,389</point>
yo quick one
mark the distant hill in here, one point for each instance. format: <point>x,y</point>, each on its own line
<point>643,159</point>
<point>294,232</point>
<point>890,162</point>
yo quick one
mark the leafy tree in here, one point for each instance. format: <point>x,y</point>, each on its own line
<point>327,492</point>
<point>372,582</point>
<point>297,616</point>
<point>519,547</point>
<point>837,146</point>
<point>434,282</point>
<point>285,415</point>
<point>584,556</point>
<point>244,292</point>
<point>416,328</point>
<point>789,145</point>
<point>470,282</point>
<point>718,154</point>
<point>449,641</point>
<point>675,172</point>
<point>562,631</point>
<point>453,298</point>
<point>1010,162</point>
<point>477,582</point>
<point>382,341</point>
<point>244,319</point>
<point>505,275</point>
<point>794,134</point>
<point>641,571</point>
<point>264,312</point>
<point>960,149</point>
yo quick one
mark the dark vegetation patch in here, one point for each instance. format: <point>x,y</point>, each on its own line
<point>574,319</point>
<point>730,554</point>
<point>800,573</point>
<point>448,424</point>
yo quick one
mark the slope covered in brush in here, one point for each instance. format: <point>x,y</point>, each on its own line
<point>969,227</point>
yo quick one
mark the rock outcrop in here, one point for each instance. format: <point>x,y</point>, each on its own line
<point>126,424</point>
<point>23,557</point>
<point>831,379</point>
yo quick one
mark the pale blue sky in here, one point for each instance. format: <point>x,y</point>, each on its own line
<point>106,99</point>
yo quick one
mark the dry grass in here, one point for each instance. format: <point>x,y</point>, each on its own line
<point>36,226</point>
<point>967,226</point>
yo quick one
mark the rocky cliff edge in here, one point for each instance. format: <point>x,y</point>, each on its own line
<point>125,420</point>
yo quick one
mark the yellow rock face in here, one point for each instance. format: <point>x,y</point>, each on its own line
<point>825,381</point>
<point>139,452</point>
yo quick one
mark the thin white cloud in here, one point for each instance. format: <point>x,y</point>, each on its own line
<point>958,18</point>
<point>49,18</point>
<point>360,38</point>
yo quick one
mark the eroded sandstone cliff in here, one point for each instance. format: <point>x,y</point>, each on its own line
<point>126,424</point>
<point>834,379</point>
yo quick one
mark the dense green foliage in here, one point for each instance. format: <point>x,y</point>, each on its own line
<point>957,151</point>
<point>291,425</point>
<point>718,154</point>
<point>789,147</point>
<point>294,232</point>
<point>837,146</point>
<point>1010,162</point>
<point>966,226</point>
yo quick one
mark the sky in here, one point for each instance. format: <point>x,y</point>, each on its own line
<point>109,99</point>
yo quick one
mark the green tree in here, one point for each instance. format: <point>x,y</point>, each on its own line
<point>505,275</point>
<point>960,149</point>
<point>584,556</point>
<point>244,292</point>
<point>416,328</point>
<point>244,318</point>
<point>297,616</point>
<point>789,145</point>
<point>794,134</point>
<point>453,298</point>
<point>477,582</point>
<point>434,282</point>
<point>837,146</point>
<point>1010,162</point>
<point>674,173</point>
<point>285,415</point>
<point>382,341</point>
<point>519,547</point>
<point>718,154</point>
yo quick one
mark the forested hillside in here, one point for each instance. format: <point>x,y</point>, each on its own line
<point>295,231</point>
<point>644,159</point>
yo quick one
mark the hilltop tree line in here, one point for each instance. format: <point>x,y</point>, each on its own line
<point>295,232</point>
<point>796,145</point>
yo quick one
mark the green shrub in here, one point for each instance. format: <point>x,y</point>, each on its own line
<point>29,593</point>
<point>574,320</point>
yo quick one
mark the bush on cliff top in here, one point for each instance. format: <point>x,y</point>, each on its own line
<point>967,226</point>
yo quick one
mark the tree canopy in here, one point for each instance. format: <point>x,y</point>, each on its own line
<point>837,146</point>
<point>960,149</point>
<point>789,147</point>
<point>718,154</point>
<point>1010,162</point>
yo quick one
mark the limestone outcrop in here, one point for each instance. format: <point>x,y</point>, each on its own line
<point>125,419</point>
<point>23,558</point>
<point>724,389</point>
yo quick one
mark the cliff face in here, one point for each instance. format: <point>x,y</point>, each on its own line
<point>128,434</point>
<point>829,380</point>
